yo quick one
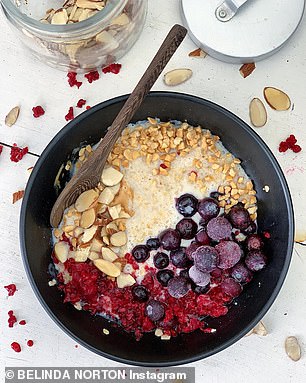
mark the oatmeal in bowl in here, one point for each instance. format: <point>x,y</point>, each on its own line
<point>179,250</point>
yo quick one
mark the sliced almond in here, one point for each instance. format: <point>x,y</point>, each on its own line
<point>107,39</point>
<point>118,239</point>
<point>96,245</point>
<point>111,176</point>
<point>177,76</point>
<point>61,250</point>
<point>88,218</point>
<point>300,236</point>
<point>260,329</point>
<point>108,254</point>
<point>89,234</point>
<point>124,214</point>
<point>107,195</point>
<point>293,348</point>
<point>197,53</point>
<point>113,212</point>
<point>258,113</point>
<point>107,267</point>
<point>246,69</point>
<point>125,280</point>
<point>277,99</point>
<point>111,228</point>
<point>84,15</point>
<point>121,20</point>
<point>86,199</point>
<point>60,17</point>
<point>12,116</point>
<point>106,240</point>
<point>93,256</point>
<point>82,254</point>
<point>78,231</point>
<point>98,5</point>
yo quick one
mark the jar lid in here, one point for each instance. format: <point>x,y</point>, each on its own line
<point>241,31</point>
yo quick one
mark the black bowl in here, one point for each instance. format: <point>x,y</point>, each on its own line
<point>275,214</point>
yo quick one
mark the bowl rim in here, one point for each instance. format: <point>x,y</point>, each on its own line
<point>277,169</point>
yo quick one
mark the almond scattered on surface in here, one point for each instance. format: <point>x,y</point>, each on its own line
<point>258,113</point>
<point>259,329</point>
<point>177,76</point>
<point>107,267</point>
<point>12,116</point>
<point>197,53</point>
<point>300,236</point>
<point>18,195</point>
<point>293,348</point>
<point>277,99</point>
<point>246,69</point>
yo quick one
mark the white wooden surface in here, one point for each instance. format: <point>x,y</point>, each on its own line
<point>27,82</point>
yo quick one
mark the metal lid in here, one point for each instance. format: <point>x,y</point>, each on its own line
<point>241,31</point>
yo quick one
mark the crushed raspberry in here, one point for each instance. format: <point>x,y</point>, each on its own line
<point>92,76</point>
<point>38,111</point>
<point>296,148</point>
<point>30,343</point>
<point>163,166</point>
<point>11,289</point>
<point>81,103</point>
<point>22,322</point>
<point>72,80</point>
<point>12,319</point>
<point>16,347</point>
<point>17,153</point>
<point>88,107</point>
<point>289,143</point>
<point>1,148</point>
<point>112,68</point>
<point>266,234</point>
<point>69,116</point>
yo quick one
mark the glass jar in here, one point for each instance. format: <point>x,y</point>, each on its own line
<point>106,30</point>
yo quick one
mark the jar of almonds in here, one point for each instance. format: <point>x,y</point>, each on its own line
<point>77,35</point>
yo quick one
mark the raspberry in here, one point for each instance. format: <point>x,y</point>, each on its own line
<point>30,343</point>
<point>112,68</point>
<point>88,107</point>
<point>283,147</point>
<point>22,322</point>
<point>72,80</point>
<point>81,103</point>
<point>11,289</point>
<point>92,76</point>
<point>69,116</point>
<point>296,148</point>
<point>291,140</point>
<point>38,111</point>
<point>16,347</point>
<point>1,148</point>
<point>12,319</point>
<point>17,153</point>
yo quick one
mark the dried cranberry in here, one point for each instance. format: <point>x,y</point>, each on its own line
<point>81,103</point>
<point>112,68</point>
<point>11,289</point>
<point>16,347</point>
<point>163,166</point>
<point>30,343</point>
<point>72,80</point>
<point>69,116</point>
<point>38,111</point>
<point>17,153</point>
<point>92,76</point>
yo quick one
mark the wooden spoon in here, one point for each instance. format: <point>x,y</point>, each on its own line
<point>89,174</point>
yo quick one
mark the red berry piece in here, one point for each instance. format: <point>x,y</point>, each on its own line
<point>112,68</point>
<point>30,343</point>
<point>155,310</point>
<point>22,322</point>
<point>11,289</point>
<point>208,208</point>
<point>206,258</point>
<point>178,287</point>
<point>170,239</point>
<point>187,228</point>
<point>38,111</point>
<point>179,258</point>
<point>198,277</point>
<point>239,217</point>
<point>140,253</point>
<point>296,148</point>
<point>1,148</point>
<point>18,153</point>
<point>187,205</point>
<point>16,347</point>
<point>255,260</point>
<point>231,287</point>
<point>254,242</point>
<point>229,254</point>
<point>72,80</point>
<point>12,319</point>
<point>69,116</point>
<point>92,76</point>
<point>241,274</point>
<point>81,103</point>
<point>219,228</point>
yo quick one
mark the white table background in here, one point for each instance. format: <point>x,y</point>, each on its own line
<point>27,82</point>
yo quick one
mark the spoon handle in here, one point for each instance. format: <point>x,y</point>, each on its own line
<point>89,174</point>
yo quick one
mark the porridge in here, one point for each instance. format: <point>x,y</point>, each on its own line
<point>168,236</point>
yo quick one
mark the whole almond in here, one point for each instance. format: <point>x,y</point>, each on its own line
<point>293,348</point>
<point>177,76</point>
<point>12,116</point>
<point>277,99</point>
<point>107,267</point>
<point>258,113</point>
